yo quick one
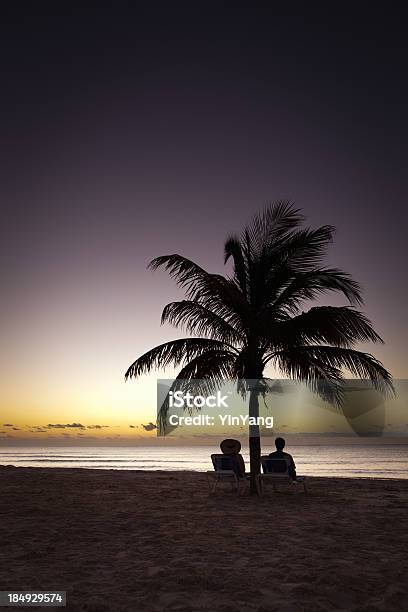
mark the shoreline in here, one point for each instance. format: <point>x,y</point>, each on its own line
<point>187,472</point>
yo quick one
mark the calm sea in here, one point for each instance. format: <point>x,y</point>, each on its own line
<point>379,461</point>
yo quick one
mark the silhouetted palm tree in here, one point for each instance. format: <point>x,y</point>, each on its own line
<point>243,322</point>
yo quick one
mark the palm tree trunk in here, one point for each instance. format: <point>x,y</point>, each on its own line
<point>254,439</point>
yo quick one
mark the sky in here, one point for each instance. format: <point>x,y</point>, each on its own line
<point>129,131</point>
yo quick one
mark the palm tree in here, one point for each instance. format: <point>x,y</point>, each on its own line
<point>253,318</point>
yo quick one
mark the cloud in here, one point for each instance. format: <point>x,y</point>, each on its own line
<point>149,427</point>
<point>133,426</point>
<point>65,426</point>
<point>72,426</point>
<point>8,425</point>
<point>16,429</point>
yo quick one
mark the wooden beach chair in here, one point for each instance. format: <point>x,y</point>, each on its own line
<point>276,471</point>
<point>223,472</point>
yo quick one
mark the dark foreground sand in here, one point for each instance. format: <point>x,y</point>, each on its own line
<point>145,541</point>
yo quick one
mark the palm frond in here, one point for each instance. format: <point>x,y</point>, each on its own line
<point>321,378</point>
<point>213,366</point>
<point>337,325</point>
<point>202,375</point>
<point>328,362</point>
<point>303,250</point>
<point>186,273</point>
<point>233,248</point>
<point>275,222</point>
<point>213,291</point>
<point>197,319</point>
<point>299,287</point>
<point>176,353</point>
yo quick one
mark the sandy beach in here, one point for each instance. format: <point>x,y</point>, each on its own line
<point>147,541</point>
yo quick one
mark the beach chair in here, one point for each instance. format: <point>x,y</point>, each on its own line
<point>223,472</point>
<point>276,471</point>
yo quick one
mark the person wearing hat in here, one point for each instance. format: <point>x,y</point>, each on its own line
<point>232,448</point>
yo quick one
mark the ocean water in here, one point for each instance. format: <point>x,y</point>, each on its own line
<point>376,461</point>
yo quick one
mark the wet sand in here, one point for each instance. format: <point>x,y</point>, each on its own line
<point>154,541</point>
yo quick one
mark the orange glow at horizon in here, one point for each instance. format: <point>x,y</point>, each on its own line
<point>63,362</point>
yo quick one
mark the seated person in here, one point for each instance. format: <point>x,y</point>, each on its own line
<point>279,454</point>
<point>231,448</point>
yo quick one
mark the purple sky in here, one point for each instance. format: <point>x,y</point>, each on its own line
<point>129,133</point>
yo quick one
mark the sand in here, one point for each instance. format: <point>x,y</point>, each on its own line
<point>154,541</point>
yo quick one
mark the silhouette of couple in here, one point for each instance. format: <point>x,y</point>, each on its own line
<point>232,449</point>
